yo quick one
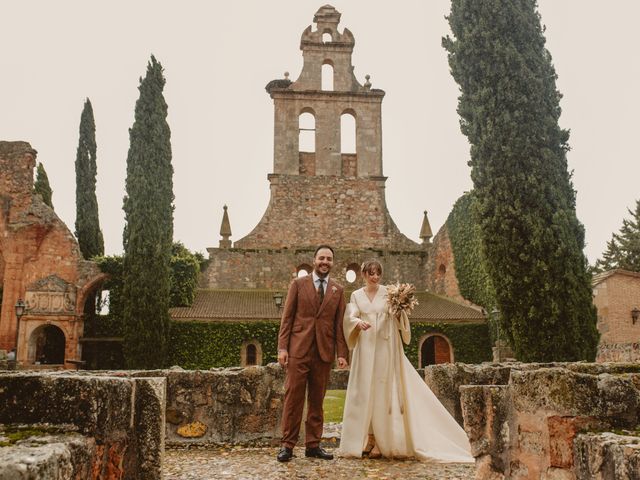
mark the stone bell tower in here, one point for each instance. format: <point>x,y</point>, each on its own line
<point>322,191</point>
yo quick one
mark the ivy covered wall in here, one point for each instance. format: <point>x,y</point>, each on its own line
<point>464,233</point>
<point>202,345</point>
<point>471,341</point>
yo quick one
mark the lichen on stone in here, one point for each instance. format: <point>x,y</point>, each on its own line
<point>192,430</point>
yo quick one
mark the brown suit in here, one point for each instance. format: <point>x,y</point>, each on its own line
<point>310,333</point>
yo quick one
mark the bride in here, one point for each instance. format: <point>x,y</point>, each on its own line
<point>389,410</point>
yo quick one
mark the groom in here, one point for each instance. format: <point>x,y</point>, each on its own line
<point>310,333</point>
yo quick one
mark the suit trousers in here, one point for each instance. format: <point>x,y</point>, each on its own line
<point>308,372</point>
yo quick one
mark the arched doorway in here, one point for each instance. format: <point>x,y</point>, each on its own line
<point>251,353</point>
<point>435,349</point>
<point>47,342</point>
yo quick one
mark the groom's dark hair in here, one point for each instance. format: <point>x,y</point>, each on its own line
<point>320,247</point>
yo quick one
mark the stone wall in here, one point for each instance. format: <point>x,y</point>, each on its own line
<point>446,379</point>
<point>121,418</point>
<point>441,272</point>
<point>218,406</point>
<point>117,419</point>
<point>526,427</point>
<point>306,211</point>
<point>50,456</point>
<point>257,268</point>
<point>607,455</point>
<point>232,405</point>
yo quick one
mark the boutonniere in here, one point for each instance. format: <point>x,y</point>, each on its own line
<point>334,289</point>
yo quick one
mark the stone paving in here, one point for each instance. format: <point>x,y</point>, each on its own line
<point>245,463</point>
<point>260,463</point>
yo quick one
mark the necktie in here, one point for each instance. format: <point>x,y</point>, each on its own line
<point>321,291</point>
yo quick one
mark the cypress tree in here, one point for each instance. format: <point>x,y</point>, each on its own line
<point>41,185</point>
<point>533,241</point>
<point>88,230</point>
<point>148,233</point>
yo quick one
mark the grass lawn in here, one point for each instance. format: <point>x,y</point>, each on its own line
<point>333,406</point>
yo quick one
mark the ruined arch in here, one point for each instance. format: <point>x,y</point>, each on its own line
<point>90,289</point>
<point>47,344</point>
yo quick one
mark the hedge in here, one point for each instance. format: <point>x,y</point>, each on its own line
<point>203,345</point>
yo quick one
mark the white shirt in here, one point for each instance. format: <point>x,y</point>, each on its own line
<point>316,281</point>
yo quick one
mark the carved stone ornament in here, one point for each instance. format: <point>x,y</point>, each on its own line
<point>50,296</point>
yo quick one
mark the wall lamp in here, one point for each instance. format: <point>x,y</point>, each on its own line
<point>278,298</point>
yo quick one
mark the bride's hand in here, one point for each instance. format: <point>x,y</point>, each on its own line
<point>362,325</point>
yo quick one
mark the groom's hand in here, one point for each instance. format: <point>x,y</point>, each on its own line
<point>283,358</point>
<point>342,362</point>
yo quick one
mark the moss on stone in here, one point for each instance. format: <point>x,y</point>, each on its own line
<point>14,434</point>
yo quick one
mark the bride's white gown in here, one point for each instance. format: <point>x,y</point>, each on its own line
<point>387,397</point>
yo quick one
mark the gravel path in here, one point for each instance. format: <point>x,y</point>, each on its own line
<point>260,463</point>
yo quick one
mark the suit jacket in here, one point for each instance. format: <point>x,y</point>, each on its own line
<point>304,319</point>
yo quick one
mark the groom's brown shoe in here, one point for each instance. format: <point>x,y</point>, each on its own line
<point>285,454</point>
<point>318,452</point>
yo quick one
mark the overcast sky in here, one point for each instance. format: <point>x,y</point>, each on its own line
<point>218,56</point>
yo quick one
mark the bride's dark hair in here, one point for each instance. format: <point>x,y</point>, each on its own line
<point>371,266</point>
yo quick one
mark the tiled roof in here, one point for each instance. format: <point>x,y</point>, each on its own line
<point>229,304</point>
<point>433,307</point>
<point>600,277</point>
<point>212,305</point>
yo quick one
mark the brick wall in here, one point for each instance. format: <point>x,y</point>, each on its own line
<point>35,244</point>
<point>614,298</point>
<point>441,272</point>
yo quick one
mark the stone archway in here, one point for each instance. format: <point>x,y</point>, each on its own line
<point>434,349</point>
<point>47,345</point>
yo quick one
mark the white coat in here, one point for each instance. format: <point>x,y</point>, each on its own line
<point>386,396</point>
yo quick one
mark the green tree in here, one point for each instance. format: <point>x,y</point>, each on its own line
<point>41,185</point>
<point>148,233</point>
<point>185,268</point>
<point>533,241</point>
<point>629,240</point>
<point>623,250</point>
<point>610,258</point>
<point>88,230</point>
